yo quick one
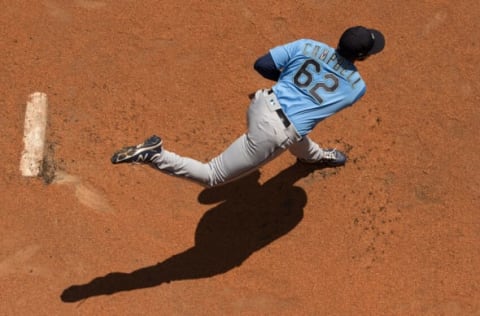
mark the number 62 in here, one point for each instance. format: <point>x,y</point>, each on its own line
<point>304,77</point>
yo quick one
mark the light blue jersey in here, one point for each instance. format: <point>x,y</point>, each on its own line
<point>315,82</point>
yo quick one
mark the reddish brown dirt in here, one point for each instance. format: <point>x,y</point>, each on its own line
<point>395,232</point>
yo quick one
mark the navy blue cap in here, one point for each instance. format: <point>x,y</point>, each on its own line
<point>359,41</point>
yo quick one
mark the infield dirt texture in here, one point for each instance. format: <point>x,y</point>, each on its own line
<point>394,232</point>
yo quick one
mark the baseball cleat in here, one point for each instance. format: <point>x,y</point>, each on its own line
<point>330,158</point>
<point>141,153</point>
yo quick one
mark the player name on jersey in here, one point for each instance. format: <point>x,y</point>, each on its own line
<point>328,56</point>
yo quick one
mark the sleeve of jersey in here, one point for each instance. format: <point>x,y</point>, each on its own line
<point>360,94</point>
<point>266,67</point>
<point>283,53</point>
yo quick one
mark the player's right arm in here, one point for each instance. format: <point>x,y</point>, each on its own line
<point>267,68</point>
<point>271,64</point>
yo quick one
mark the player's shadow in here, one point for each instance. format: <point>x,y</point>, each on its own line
<point>250,217</point>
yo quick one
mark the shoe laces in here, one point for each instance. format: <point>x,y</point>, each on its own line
<point>329,154</point>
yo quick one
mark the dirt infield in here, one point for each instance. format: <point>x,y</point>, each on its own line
<point>394,232</point>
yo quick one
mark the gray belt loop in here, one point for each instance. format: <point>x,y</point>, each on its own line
<point>271,100</point>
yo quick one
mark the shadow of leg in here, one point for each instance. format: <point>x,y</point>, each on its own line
<point>251,217</point>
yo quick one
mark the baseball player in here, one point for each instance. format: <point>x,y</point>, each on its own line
<point>313,82</point>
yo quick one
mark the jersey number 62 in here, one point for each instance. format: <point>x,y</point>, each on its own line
<point>304,79</point>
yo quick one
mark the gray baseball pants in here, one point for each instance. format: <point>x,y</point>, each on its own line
<point>267,137</point>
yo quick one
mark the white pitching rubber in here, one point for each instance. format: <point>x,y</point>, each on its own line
<point>34,135</point>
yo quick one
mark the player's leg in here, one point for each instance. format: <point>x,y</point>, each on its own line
<point>308,151</point>
<point>239,159</point>
<point>176,165</point>
<point>233,162</point>
<point>266,139</point>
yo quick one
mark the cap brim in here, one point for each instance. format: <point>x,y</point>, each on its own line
<point>379,42</point>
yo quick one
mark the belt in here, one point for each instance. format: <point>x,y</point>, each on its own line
<point>283,118</point>
<point>281,114</point>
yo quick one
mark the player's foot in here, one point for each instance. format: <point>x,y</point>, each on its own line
<point>330,158</point>
<point>141,153</point>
